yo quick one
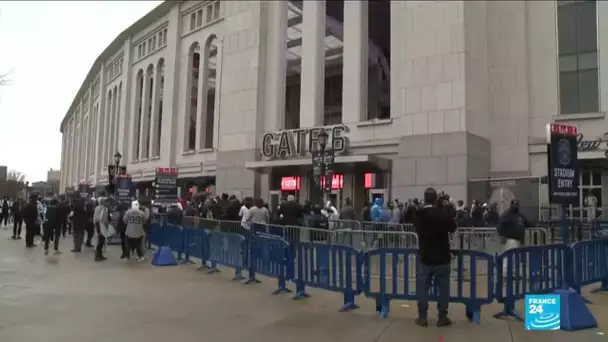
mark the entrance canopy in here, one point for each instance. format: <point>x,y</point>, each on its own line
<point>364,162</point>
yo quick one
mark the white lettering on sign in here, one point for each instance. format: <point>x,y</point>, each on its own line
<point>540,301</point>
<point>564,177</point>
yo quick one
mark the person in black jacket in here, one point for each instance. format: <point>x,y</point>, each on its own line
<point>32,220</point>
<point>64,211</point>
<point>79,220</point>
<point>433,226</point>
<point>90,225</point>
<point>52,226</point>
<point>5,212</point>
<point>17,219</point>
<point>121,228</point>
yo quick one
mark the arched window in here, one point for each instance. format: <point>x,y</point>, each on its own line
<point>193,76</point>
<point>160,77</point>
<point>209,89</point>
<point>107,129</point>
<point>138,105</point>
<point>148,118</point>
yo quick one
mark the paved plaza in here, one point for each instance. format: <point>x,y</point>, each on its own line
<point>70,298</point>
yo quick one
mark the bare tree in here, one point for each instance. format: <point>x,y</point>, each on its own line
<point>13,184</point>
<point>4,80</point>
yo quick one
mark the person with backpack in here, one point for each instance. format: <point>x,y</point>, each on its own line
<point>79,222</point>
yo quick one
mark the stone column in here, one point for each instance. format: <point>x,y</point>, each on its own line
<point>355,57</point>
<point>276,66</point>
<point>154,117</point>
<point>313,64</point>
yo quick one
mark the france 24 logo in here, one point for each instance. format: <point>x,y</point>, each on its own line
<point>543,312</point>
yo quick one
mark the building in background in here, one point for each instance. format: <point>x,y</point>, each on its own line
<point>3,172</point>
<point>53,175</point>
<point>414,94</point>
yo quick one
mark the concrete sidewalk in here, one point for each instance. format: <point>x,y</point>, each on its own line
<point>71,298</point>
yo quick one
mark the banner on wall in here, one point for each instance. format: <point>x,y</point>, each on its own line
<point>124,187</point>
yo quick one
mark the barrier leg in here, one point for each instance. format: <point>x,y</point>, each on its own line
<point>282,286</point>
<point>238,276</point>
<point>509,310</point>
<point>213,268</point>
<point>252,278</point>
<point>473,312</point>
<point>300,291</point>
<point>349,302</point>
<point>383,306</point>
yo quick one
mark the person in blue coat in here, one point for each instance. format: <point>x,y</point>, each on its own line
<point>376,212</point>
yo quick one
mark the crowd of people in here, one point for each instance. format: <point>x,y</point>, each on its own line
<point>82,218</point>
<point>434,219</point>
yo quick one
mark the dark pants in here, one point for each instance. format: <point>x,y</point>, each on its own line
<point>90,229</point>
<point>134,244</point>
<point>30,232</point>
<point>78,236</point>
<point>123,244</point>
<point>64,227</point>
<point>17,224</point>
<point>101,240</point>
<point>51,233</point>
<point>5,218</point>
<point>439,275</point>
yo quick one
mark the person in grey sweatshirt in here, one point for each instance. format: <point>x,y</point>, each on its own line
<point>135,218</point>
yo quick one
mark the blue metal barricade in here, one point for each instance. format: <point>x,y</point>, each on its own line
<point>173,237</point>
<point>397,278</point>
<point>229,250</point>
<point>156,234</point>
<point>196,244</point>
<point>270,256</point>
<point>590,264</point>
<point>531,270</point>
<point>329,267</point>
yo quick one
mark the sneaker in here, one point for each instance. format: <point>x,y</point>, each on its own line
<point>444,322</point>
<point>14,237</point>
<point>99,258</point>
<point>46,252</point>
<point>57,252</point>
<point>19,238</point>
<point>75,251</point>
<point>423,322</point>
<point>141,259</point>
<point>123,257</point>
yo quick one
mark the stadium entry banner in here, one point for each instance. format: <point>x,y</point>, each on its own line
<point>563,165</point>
<point>165,186</point>
<point>124,185</point>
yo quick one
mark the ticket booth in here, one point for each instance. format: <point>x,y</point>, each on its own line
<point>375,187</point>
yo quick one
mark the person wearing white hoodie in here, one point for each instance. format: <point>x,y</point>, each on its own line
<point>101,219</point>
<point>135,218</point>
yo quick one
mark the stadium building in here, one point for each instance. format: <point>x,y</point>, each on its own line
<point>412,94</point>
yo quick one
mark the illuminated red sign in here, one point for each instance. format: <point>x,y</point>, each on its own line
<point>567,130</point>
<point>368,181</point>
<point>290,183</point>
<point>169,170</point>
<point>337,181</point>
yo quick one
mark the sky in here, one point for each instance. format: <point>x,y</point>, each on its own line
<point>47,48</point>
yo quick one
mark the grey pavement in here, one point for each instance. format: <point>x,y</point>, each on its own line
<point>71,298</point>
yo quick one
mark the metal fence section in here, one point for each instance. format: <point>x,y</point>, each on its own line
<point>228,250</point>
<point>590,264</point>
<point>371,239</point>
<point>531,270</point>
<point>344,224</point>
<point>270,256</point>
<point>330,267</point>
<point>398,278</point>
<point>382,226</point>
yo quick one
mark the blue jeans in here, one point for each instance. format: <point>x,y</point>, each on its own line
<point>439,275</point>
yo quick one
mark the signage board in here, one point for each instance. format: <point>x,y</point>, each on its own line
<point>165,184</point>
<point>562,152</point>
<point>124,185</point>
<point>303,141</point>
<point>84,190</point>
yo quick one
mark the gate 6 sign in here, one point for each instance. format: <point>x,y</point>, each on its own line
<point>563,164</point>
<point>301,142</point>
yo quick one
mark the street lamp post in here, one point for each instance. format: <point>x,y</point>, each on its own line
<point>322,138</point>
<point>113,172</point>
